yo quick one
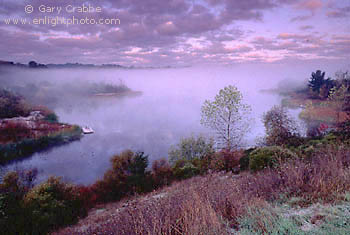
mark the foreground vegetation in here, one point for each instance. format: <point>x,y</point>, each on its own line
<point>271,201</point>
<point>222,192</point>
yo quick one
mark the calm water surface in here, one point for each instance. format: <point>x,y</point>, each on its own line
<point>168,110</point>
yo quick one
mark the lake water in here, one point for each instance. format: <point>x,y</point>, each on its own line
<point>167,110</point>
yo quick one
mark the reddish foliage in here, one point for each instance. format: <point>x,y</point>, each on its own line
<point>195,206</point>
<point>226,160</point>
<point>162,173</point>
<point>12,132</point>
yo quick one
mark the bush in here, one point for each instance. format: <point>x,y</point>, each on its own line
<point>127,176</point>
<point>184,169</point>
<point>11,211</point>
<point>280,127</point>
<point>12,105</point>
<point>315,145</point>
<point>344,129</point>
<point>51,117</point>
<point>13,132</point>
<point>226,160</point>
<point>191,148</point>
<point>268,157</point>
<point>51,205</point>
<point>162,173</point>
<point>244,160</point>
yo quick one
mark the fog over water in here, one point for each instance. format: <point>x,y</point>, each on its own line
<point>167,110</point>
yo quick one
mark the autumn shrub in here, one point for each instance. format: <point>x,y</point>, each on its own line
<point>13,188</point>
<point>88,197</point>
<point>268,157</point>
<point>343,129</point>
<point>13,132</point>
<point>52,204</point>
<point>162,173</point>
<point>128,175</point>
<point>226,160</point>
<point>281,128</point>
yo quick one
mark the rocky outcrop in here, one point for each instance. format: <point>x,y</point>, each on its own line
<point>29,122</point>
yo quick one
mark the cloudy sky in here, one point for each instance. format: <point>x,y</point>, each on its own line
<point>179,32</point>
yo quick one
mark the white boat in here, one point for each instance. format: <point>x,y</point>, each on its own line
<point>87,130</point>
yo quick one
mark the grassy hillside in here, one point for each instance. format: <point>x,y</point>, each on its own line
<point>303,196</point>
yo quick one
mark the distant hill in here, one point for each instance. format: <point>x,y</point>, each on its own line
<point>35,65</point>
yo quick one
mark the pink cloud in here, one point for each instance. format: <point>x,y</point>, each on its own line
<point>310,5</point>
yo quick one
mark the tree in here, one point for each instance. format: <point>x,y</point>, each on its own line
<point>227,115</point>
<point>280,127</point>
<point>191,148</point>
<point>320,86</point>
<point>342,78</point>
<point>32,64</point>
<point>339,98</point>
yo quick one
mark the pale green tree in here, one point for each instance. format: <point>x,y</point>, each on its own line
<point>228,116</point>
<point>191,148</point>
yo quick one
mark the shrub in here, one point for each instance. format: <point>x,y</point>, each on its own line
<point>315,145</point>
<point>162,173</point>
<point>12,105</point>
<point>52,204</point>
<point>226,160</point>
<point>280,127</point>
<point>13,132</point>
<point>11,212</point>
<point>127,176</point>
<point>18,182</point>
<point>268,157</point>
<point>244,160</point>
<point>51,117</point>
<point>191,148</point>
<point>344,129</point>
<point>184,169</point>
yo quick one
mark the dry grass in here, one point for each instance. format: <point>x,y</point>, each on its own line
<point>12,132</point>
<point>323,114</point>
<point>213,204</point>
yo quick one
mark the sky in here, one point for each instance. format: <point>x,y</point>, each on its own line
<point>176,32</point>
